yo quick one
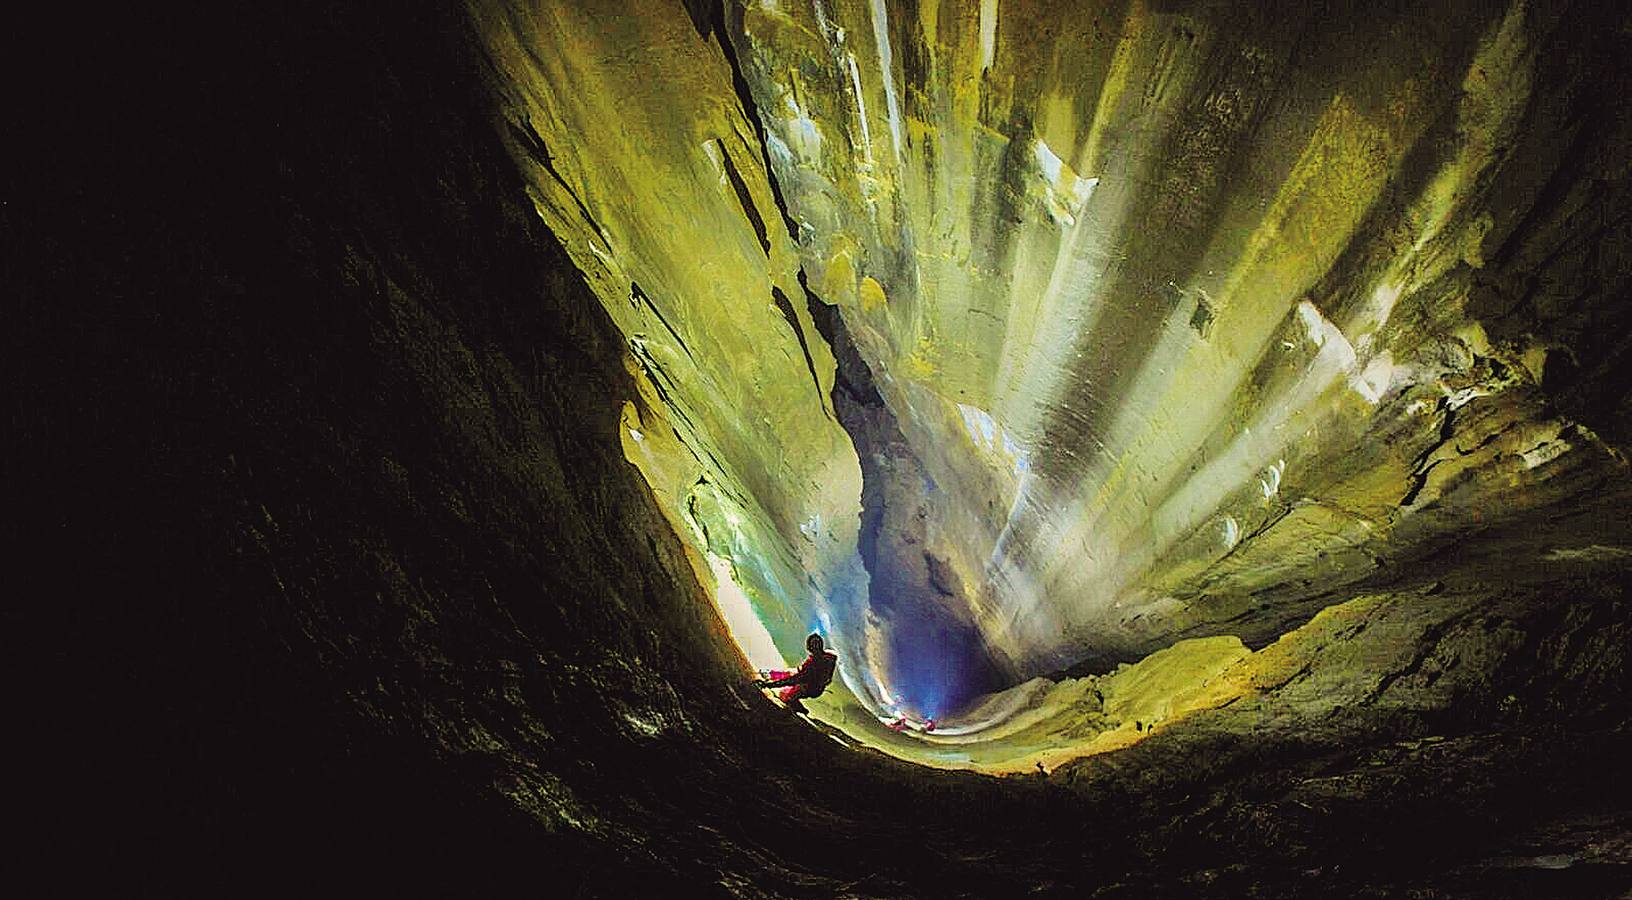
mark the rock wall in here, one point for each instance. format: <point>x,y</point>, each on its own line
<point>328,568</point>
<point>626,124</point>
<point>1190,314</point>
<point>1196,312</point>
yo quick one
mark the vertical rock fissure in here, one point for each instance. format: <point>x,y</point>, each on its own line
<point>855,400</point>
<point>746,199</point>
<point>710,15</point>
<point>936,656</point>
<point>640,297</point>
<point>530,141</point>
<point>785,305</point>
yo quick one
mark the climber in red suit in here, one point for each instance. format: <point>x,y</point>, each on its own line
<point>811,678</point>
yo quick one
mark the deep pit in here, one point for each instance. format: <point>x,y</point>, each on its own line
<point>1214,416</point>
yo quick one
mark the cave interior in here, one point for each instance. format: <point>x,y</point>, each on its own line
<point>1199,428</point>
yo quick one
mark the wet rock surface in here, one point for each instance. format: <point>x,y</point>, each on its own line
<point>329,571</point>
<point>1211,290</point>
<point>1186,318</point>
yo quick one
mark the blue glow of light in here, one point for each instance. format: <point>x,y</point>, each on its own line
<point>936,666</point>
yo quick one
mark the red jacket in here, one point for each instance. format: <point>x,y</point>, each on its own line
<point>814,674</point>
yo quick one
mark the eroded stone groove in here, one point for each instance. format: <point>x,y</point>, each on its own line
<point>928,640</point>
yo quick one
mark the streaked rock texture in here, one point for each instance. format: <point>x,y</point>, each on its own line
<point>1180,304</point>
<point>336,560</point>
<point>1184,316</point>
<point>638,154</point>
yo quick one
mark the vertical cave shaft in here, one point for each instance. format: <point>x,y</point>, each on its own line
<point>395,395</point>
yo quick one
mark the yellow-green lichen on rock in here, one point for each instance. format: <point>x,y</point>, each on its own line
<point>640,158</point>
<point>1215,319</point>
<point>1177,315</point>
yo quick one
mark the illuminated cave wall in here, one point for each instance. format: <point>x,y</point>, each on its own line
<point>640,158</point>
<point>357,538</point>
<point>1183,316</point>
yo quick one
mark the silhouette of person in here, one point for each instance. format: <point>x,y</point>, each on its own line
<point>809,680</point>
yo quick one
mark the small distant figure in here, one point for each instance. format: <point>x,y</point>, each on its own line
<point>809,680</point>
<point>904,723</point>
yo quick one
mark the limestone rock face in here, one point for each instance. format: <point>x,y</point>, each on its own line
<point>1179,303</point>
<point>640,157</point>
<point>363,518</point>
<point>1182,316</point>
